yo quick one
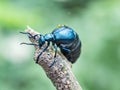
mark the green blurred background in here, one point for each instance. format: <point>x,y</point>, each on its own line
<point>96,21</point>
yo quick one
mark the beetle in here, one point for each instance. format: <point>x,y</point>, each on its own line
<point>63,37</point>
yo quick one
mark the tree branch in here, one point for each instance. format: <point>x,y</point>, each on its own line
<point>60,73</point>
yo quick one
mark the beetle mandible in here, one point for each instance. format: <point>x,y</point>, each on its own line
<point>63,37</point>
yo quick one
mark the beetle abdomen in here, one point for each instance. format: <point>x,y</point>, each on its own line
<point>72,50</point>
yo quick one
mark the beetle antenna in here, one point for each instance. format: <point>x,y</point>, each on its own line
<point>31,34</point>
<point>29,44</point>
<point>26,33</point>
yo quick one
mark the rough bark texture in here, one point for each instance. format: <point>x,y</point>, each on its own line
<point>60,73</point>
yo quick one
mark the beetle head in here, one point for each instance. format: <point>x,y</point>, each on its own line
<point>41,40</point>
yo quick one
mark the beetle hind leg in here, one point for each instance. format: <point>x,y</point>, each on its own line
<point>55,47</point>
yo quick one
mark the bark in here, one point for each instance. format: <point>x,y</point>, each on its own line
<point>60,73</point>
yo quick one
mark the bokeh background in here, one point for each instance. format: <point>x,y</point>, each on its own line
<point>96,21</point>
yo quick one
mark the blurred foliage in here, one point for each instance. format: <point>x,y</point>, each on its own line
<point>96,21</point>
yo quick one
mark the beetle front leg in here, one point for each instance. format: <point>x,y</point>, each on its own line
<point>42,52</point>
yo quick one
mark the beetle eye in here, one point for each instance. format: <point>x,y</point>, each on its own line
<point>36,37</point>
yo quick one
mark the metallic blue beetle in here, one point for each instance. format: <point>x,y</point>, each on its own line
<point>63,37</point>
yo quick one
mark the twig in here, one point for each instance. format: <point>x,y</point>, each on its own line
<point>60,73</point>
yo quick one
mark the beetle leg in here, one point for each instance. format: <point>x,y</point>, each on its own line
<point>55,47</point>
<point>42,52</point>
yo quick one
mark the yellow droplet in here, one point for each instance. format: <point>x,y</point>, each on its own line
<point>59,25</point>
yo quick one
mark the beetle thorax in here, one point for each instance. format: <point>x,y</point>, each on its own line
<point>49,37</point>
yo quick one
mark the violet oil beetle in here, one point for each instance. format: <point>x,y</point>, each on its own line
<point>62,37</point>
